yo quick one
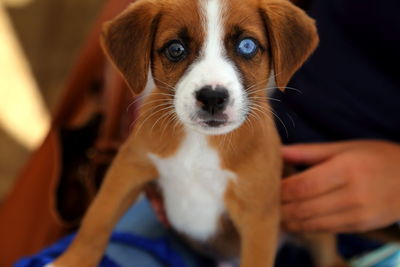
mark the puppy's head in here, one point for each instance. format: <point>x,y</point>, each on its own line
<point>213,58</point>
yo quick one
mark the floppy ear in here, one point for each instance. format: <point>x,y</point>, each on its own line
<point>128,40</point>
<point>292,35</point>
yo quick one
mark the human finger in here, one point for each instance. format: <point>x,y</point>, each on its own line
<point>312,182</point>
<point>311,154</point>
<point>322,205</point>
<point>345,221</point>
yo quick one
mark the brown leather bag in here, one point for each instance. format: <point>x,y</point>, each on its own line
<point>57,184</point>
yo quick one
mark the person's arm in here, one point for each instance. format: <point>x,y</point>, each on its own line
<point>351,186</point>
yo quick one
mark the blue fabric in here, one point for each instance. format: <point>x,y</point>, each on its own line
<point>49,254</point>
<point>151,246</point>
<point>160,249</point>
<point>140,219</point>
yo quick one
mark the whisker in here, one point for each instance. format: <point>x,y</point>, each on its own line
<point>263,109</point>
<point>156,101</point>
<point>288,88</point>
<point>169,119</point>
<point>222,141</point>
<point>148,117</point>
<point>166,84</point>
<point>273,88</point>
<point>281,121</point>
<point>256,114</point>
<point>134,102</point>
<point>139,98</point>
<point>176,124</point>
<point>145,112</point>
<point>163,116</point>
<point>250,121</point>
<point>291,119</point>
<point>259,83</point>
<point>260,98</point>
<point>256,111</point>
<point>230,144</point>
<point>160,93</point>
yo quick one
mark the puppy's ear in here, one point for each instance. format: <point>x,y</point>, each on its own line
<point>292,36</point>
<point>128,40</point>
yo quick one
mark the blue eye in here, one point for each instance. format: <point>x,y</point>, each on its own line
<point>247,47</point>
<point>175,51</point>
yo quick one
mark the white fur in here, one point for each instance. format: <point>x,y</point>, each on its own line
<point>214,69</point>
<point>150,85</point>
<point>193,186</point>
<point>271,86</point>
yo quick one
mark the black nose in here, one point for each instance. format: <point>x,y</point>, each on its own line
<point>212,100</point>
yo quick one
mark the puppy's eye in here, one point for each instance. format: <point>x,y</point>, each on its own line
<point>247,47</point>
<point>175,51</point>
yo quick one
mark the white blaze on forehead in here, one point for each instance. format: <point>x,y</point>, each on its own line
<point>213,65</point>
<point>213,46</point>
<point>212,68</point>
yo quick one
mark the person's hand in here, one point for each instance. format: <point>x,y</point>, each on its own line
<point>350,187</point>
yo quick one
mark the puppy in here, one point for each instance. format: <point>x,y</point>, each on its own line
<point>205,133</point>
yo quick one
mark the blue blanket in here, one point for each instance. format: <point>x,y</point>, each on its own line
<point>159,248</point>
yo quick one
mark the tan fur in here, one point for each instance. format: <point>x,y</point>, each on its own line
<point>133,42</point>
<point>292,36</point>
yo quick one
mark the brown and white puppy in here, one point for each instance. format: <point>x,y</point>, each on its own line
<point>205,133</point>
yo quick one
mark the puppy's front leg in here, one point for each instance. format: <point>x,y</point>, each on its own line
<point>255,213</point>
<point>259,241</point>
<point>125,179</point>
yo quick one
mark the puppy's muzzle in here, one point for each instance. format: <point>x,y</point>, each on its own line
<point>212,103</point>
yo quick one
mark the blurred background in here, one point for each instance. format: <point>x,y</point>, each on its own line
<point>39,41</point>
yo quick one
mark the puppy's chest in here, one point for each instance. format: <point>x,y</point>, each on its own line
<point>193,185</point>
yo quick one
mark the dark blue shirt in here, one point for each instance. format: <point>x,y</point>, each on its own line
<point>350,87</point>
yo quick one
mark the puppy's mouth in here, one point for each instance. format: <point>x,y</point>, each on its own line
<point>211,121</point>
<point>214,123</point>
